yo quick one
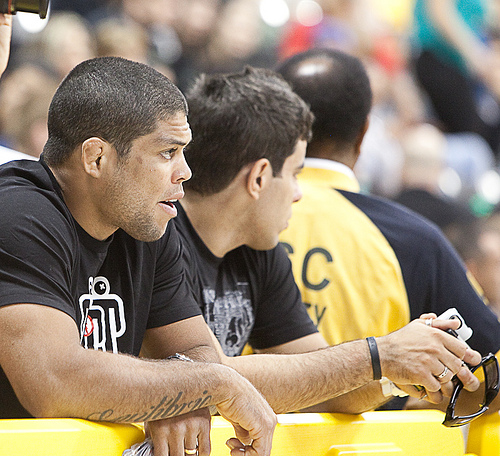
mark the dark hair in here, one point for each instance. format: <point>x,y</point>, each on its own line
<point>336,87</point>
<point>111,98</point>
<point>237,119</point>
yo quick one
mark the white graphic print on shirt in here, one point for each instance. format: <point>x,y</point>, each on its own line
<point>230,317</point>
<point>102,316</point>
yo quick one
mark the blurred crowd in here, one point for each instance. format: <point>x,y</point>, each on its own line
<point>433,142</point>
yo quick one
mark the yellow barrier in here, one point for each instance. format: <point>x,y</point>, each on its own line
<point>66,437</point>
<point>484,435</point>
<point>401,433</point>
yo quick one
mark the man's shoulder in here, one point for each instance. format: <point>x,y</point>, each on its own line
<point>29,198</point>
<point>391,213</point>
<point>26,179</point>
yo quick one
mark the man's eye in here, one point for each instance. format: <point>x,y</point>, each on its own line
<point>167,155</point>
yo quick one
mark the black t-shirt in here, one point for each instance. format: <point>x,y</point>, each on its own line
<point>248,296</point>
<point>113,289</point>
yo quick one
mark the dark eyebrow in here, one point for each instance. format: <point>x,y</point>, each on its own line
<point>162,140</point>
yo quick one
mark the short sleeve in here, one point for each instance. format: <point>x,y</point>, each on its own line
<point>281,316</point>
<point>37,250</point>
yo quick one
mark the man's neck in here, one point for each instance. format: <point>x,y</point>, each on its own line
<point>332,165</point>
<point>79,201</point>
<point>327,150</point>
<point>218,219</point>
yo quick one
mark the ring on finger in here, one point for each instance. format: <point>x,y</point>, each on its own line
<point>187,451</point>
<point>443,374</point>
<point>428,321</point>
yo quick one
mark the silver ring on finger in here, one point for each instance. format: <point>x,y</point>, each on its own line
<point>443,374</point>
<point>428,322</point>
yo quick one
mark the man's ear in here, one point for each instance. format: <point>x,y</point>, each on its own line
<point>93,152</point>
<point>361,136</point>
<point>258,177</point>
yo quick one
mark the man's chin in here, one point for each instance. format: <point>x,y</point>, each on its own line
<point>265,244</point>
<point>150,235</point>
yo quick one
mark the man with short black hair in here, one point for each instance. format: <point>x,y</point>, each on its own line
<point>90,260</point>
<point>250,134</point>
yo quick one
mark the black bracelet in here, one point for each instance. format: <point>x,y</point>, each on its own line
<point>377,370</point>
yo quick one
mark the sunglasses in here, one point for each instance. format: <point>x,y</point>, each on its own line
<point>491,386</point>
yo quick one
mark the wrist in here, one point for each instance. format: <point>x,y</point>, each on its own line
<point>375,358</point>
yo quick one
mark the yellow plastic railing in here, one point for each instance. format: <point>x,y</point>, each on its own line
<point>398,433</point>
<point>484,436</point>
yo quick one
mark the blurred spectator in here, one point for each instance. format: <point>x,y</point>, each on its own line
<point>64,42</point>
<point>454,66</point>
<point>424,149</point>
<point>224,45</point>
<point>356,27</point>
<point>349,25</point>
<point>237,39</point>
<point>25,95</point>
<point>397,107</point>
<point>127,39</point>
<point>116,38</point>
<point>479,246</point>
<point>194,27</point>
<point>157,17</point>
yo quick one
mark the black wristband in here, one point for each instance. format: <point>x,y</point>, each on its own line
<point>377,370</point>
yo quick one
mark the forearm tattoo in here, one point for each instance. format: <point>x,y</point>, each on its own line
<point>166,408</point>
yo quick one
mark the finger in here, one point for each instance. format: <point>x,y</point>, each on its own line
<point>160,445</point>
<point>242,435</point>
<point>469,380</point>
<point>147,432</point>
<point>427,316</point>
<point>451,323</point>
<point>190,448</point>
<point>411,390</point>
<point>430,383</point>
<point>455,357</point>
<point>422,394</point>
<point>191,451</point>
<point>175,445</point>
<point>190,441</point>
<point>204,442</point>
<point>438,374</point>
<point>456,351</point>
<point>447,388</point>
<point>261,446</point>
<point>445,375</point>
<point>435,397</point>
<point>472,357</point>
<point>235,445</point>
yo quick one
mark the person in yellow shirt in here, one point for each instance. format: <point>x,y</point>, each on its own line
<point>365,265</point>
